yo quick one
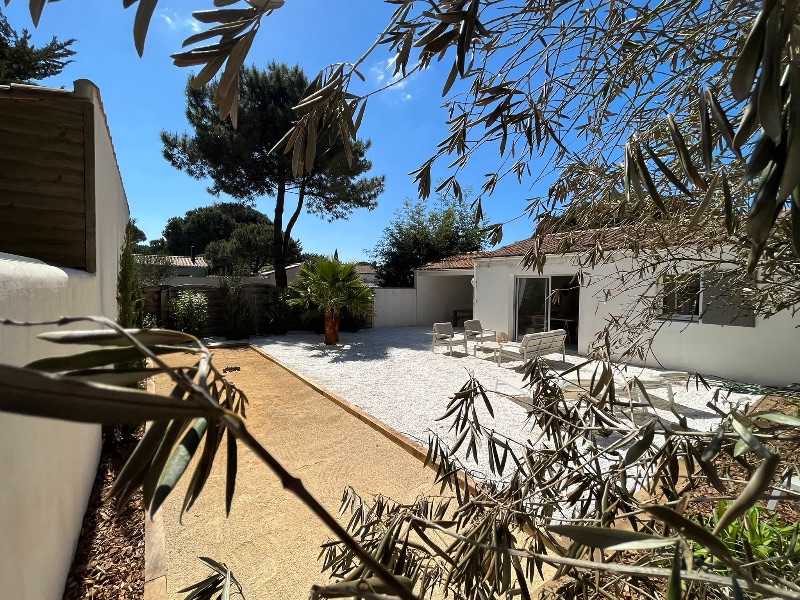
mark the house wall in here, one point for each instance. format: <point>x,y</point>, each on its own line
<point>395,307</point>
<point>766,353</point>
<point>494,288</point>
<point>48,467</point>
<point>291,275</point>
<point>440,292</point>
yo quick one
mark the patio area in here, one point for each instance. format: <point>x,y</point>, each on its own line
<point>393,375</point>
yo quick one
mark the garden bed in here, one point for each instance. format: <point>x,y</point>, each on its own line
<point>109,559</point>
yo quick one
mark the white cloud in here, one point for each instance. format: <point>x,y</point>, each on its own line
<point>383,73</point>
<point>176,21</point>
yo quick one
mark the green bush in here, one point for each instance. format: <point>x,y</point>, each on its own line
<point>277,316</point>
<point>238,311</point>
<point>189,311</point>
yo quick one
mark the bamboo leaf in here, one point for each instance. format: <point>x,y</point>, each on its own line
<point>747,435</point>
<point>780,418</point>
<point>646,435</point>
<point>607,538</point>
<point>116,377</point>
<point>674,591</point>
<point>97,358</point>
<point>106,337</point>
<point>704,203</point>
<point>138,461</point>
<point>668,173</point>
<point>227,15</point>
<point>28,392</point>
<point>690,529</point>
<point>759,483</point>
<point>36,8</point>
<point>684,156</point>
<point>177,464</point>
<point>230,477</point>
<point>144,13</point>
<point>207,72</point>
<point>749,58</point>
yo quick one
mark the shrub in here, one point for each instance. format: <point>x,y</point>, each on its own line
<point>238,311</point>
<point>130,307</point>
<point>189,310</point>
<point>278,317</point>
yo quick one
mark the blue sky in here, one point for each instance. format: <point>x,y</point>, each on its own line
<point>144,96</point>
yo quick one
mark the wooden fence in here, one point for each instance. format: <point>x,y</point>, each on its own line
<point>47,176</point>
<point>157,300</point>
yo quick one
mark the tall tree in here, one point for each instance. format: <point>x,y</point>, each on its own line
<point>239,162</point>
<point>22,62</point>
<point>419,235</point>
<point>248,250</point>
<point>200,226</point>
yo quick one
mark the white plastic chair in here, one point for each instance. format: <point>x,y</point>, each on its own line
<point>443,335</point>
<point>474,331</point>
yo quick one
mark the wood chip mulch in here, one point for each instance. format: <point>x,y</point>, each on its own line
<point>109,560</point>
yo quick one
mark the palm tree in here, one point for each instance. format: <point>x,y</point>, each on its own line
<point>327,286</point>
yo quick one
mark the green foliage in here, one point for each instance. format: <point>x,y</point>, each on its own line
<point>248,250</point>
<point>327,287</point>
<point>200,226</point>
<point>277,315</point>
<point>328,284</point>
<point>22,62</point>
<point>155,269</point>
<point>189,310</point>
<point>238,310</point>
<point>239,162</point>
<point>760,536</point>
<point>130,306</point>
<point>419,235</point>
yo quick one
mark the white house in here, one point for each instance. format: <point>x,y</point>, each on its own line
<point>507,296</point>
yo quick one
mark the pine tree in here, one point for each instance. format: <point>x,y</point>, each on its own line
<point>22,62</point>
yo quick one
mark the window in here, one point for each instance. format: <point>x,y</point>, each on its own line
<point>681,299</point>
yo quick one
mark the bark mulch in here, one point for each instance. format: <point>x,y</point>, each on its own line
<point>109,560</point>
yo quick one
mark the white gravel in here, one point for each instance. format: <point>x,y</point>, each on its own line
<point>393,375</point>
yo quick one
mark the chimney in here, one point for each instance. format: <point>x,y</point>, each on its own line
<point>192,251</point>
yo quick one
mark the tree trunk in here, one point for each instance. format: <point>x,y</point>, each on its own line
<point>279,255</point>
<point>331,327</point>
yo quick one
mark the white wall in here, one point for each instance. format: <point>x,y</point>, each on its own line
<point>47,467</point>
<point>494,288</point>
<point>766,353</point>
<point>439,293</point>
<point>395,307</point>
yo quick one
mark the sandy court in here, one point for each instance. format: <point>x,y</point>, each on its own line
<point>271,541</point>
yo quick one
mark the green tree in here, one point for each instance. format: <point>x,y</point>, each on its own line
<point>155,269</point>
<point>200,226</point>
<point>419,235</point>
<point>22,62</point>
<point>130,307</point>
<point>248,250</point>
<point>239,162</point>
<point>328,286</point>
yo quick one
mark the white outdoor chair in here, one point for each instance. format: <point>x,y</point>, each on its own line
<point>443,335</point>
<point>536,344</point>
<point>474,331</point>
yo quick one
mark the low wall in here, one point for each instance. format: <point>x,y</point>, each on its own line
<point>47,467</point>
<point>395,307</point>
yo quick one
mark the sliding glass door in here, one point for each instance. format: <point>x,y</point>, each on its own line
<point>531,308</point>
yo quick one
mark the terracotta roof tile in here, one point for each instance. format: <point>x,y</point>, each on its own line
<point>365,269</point>
<point>458,261</point>
<point>574,241</point>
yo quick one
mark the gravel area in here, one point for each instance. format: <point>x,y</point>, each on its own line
<point>393,375</point>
